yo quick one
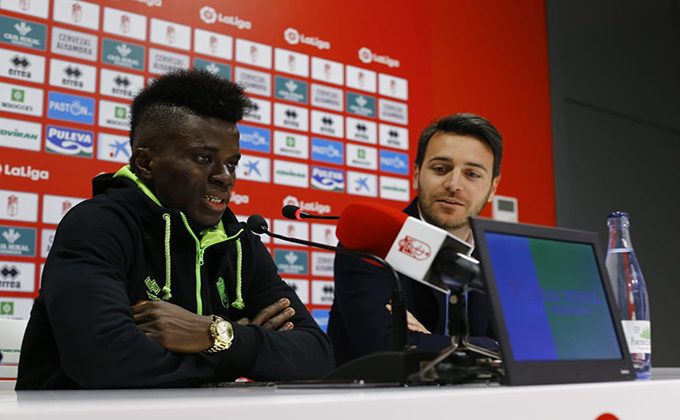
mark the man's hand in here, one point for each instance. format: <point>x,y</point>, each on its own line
<point>175,328</point>
<point>411,322</point>
<point>273,317</point>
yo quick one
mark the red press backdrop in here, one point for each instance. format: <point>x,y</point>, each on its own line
<point>348,86</point>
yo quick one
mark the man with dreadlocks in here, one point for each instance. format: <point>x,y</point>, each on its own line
<point>153,282</point>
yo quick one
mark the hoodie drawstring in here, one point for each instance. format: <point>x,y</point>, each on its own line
<point>167,288</point>
<point>238,303</point>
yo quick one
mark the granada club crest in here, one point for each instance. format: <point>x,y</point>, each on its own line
<point>12,205</point>
<point>65,206</point>
<point>414,248</point>
<point>76,12</point>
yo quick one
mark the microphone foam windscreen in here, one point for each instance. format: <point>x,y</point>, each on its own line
<point>369,227</point>
<point>290,211</point>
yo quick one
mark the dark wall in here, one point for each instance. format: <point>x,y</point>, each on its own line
<point>615,94</point>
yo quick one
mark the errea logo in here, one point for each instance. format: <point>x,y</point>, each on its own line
<point>294,37</point>
<point>367,56</point>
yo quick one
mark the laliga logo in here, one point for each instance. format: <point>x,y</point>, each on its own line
<point>239,199</point>
<point>367,56</point>
<point>414,248</point>
<point>315,206</point>
<point>292,36</point>
<point>208,14</point>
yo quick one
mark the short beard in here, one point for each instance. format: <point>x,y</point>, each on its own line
<point>432,219</point>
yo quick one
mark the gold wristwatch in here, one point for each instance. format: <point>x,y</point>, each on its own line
<point>222,334</point>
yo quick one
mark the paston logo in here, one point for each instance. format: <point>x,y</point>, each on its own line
<point>69,141</point>
<point>25,172</point>
<point>72,108</point>
<point>210,16</point>
<point>313,206</point>
<point>294,37</point>
<point>327,151</point>
<point>253,138</point>
<point>394,162</point>
<point>367,56</point>
<point>328,179</point>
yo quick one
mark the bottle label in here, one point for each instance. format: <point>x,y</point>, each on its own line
<point>638,336</point>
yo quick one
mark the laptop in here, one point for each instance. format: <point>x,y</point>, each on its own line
<point>553,306</point>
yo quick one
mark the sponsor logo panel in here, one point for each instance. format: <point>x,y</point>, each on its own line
<point>112,148</point>
<point>321,317</point>
<point>326,123</point>
<point>72,75</point>
<point>367,56</point>
<point>360,183</point>
<point>324,234</point>
<point>79,13</point>
<point>295,37</point>
<point>394,188</point>
<point>291,262</point>
<point>392,86</point>
<point>391,111</point>
<point>362,79</point>
<point>170,34</point>
<point>24,171</point>
<point>328,151</point>
<point>21,99</point>
<point>254,138</point>
<point>254,168</point>
<point>73,108</point>
<point>219,69</point>
<point>322,292</point>
<point>211,16</point>
<point>46,240</point>
<point>328,179</point>
<point>69,141</point>
<point>36,8</point>
<point>362,105</point>
<point>114,115</point>
<point>301,288</point>
<point>161,62</point>
<point>23,33</point>
<point>18,134</point>
<point>394,162</point>
<point>362,156</point>
<point>292,145</point>
<point>256,82</point>
<point>322,264</point>
<point>328,71</point>
<point>393,136</point>
<point>17,277</point>
<point>362,130</point>
<point>214,44</point>
<point>291,62</point>
<point>261,113</point>
<point>299,230</point>
<point>123,54</point>
<point>290,116</point>
<point>22,66</point>
<point>290,90</point>
<point>124,23</point>
<point>253,53</point>
<point>74,44</point>
<point>327,97</point>
<point>18,205</point>
<point>120,84</point>
<point>15,308</point>
<point>55,207</point>
<point>291,173</point>
<point>17,241</point>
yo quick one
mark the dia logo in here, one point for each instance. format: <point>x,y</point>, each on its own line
<point>6,308</point>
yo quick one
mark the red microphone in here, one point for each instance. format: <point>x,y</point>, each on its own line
<point>369,227</point>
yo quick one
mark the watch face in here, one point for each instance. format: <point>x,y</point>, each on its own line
<point>222,328</point>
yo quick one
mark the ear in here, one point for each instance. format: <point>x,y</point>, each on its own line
<point>416,174</point>
<point>141,162</point>
<point>494,186</point>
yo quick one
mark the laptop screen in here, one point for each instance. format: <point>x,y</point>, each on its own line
<point>553,299</point>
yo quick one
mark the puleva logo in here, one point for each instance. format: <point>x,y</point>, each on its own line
<point>294,37</point>
<point>327,151</point>
<point>367,56</point>
<point>396,163</point>
<point>69,141</point>
<point>210,16</point>
<point>253,138</point>
<point>62,106</point>
<point>328,179</point>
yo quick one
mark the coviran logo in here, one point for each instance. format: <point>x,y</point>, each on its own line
<point>367,56</point>
<point>210,15</point>
<point>239,199</point>
<point>414,248</point>
<point>24,172</point>
<point>314,207</point>
<point>294,37</point>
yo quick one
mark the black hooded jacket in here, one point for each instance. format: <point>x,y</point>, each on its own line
<point>122,247</point>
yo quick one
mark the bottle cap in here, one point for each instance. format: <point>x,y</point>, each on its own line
<point>617,214</point>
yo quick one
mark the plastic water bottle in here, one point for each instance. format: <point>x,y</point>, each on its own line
<point>631,293</point>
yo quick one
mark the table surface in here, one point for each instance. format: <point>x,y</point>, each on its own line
<point>655,398</point>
